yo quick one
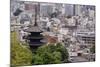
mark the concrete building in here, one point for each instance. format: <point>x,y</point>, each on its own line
<point>69,10</point>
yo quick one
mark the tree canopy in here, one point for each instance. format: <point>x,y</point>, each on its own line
<point>50,54</point>
<point>19,55</point>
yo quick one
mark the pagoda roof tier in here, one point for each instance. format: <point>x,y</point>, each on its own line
<point>35,37</point>
<point>33,29</point>
<point>36,44</point>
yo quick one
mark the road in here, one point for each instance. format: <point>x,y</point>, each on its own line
<point>78,59</point>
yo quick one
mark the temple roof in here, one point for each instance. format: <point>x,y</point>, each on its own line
<point>34,29</point>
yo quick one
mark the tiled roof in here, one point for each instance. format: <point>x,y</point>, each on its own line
<point>34,29</point>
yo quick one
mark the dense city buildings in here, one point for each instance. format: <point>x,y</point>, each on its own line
<point>71,25</point>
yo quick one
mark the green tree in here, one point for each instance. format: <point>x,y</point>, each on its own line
<point>44,55</point>
<point>50,54</point>
<point>19,55</point>
<point>63,51</point>
<point>37,59</point>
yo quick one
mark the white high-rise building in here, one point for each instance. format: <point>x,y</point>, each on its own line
<point>63,9</point>
<point>77,10</point>
<point>46,9</point>
<point>91,13</point>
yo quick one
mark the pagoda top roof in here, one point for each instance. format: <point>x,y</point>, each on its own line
<point>33,28</point>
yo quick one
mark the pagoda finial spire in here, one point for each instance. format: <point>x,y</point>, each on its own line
<point>37,10</point>
<point>35,15</point>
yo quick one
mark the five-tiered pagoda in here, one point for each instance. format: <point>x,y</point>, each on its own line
<point>35,38</point>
